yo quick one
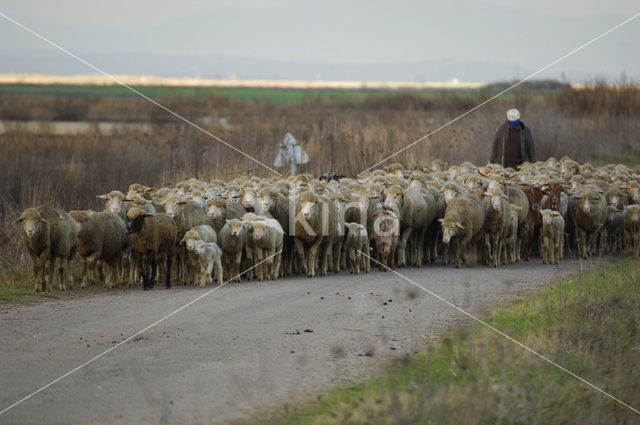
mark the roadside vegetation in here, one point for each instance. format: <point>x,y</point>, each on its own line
<point>589,324</point>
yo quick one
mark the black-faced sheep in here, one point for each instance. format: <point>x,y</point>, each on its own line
<point>154,238</point>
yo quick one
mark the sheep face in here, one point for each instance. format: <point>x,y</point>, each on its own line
<point>235,227</point>
<point>198,199</point>
<point>587,200</point>
<point>136,218</point>
<point>450,228</point>
<point>31,222</point>
<point>308,209</point>
<point>249,199</point>
<point>496,197</point>
<point>547,216</point>
<point>633,190</point>
<point>633,213</point>
<point>265,201</point>
<point>114,201</point>
<point>181,192</point>
<point>171,206</point>
<point>259,230</point>
<point>215,211</point>
<point>394,199</point>
<point>200,246</point>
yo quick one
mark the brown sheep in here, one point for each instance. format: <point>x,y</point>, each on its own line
<point>154,238</point>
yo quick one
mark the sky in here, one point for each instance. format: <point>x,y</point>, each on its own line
<point>472,40</point>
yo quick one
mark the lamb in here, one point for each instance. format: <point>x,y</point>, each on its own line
<point>589,213</point>
<point>315,222</point>
<point>463,221</point>
<point>552,236</point>
<point>49,234</point>
<point>102,237</point>
<point>631,226</point>
<point>209,256</point>
<point>154,238</point>
<point>203,232</point>
<point>386,227</point>
<point>357,247</point>
<point>268,238</point>
<point>232,238</point>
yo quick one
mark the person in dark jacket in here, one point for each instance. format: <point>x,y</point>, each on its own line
<point>513,142</point>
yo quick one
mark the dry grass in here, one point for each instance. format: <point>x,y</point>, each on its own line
<point>345,135</point>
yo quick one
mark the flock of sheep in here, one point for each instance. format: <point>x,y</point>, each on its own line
<point>264,228</point>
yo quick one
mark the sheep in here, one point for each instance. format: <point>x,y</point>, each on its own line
<point>102,237</point>
<point>463,221</point>
<point>268,239</point>
<point>552,236</point>
<point>555,198</point>
<point>589,213</point>
<point>631,226</point>
<point>531,225</point>
<point>496,224</point>
<point>186,215</point>
<point>232,238</point>
<point>386,227</point>
<point>510,251</point>
<point>273,203</point>
<point>415,215</point>
<point>617,197</point>
<point>154,238</point>
<point>219,210</point>
<point>613,234</point>
<point>357,247</point>
<point>203,232</point>
<point>115,203</point>
<point>209,256</point>
<point>49,234</point>
<point>315,222</point>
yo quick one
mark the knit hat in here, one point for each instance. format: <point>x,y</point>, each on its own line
<point>513,116</point>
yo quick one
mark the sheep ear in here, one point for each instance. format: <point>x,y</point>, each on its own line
<point>18,220</point>
<point>459,226</point>
<point>148,215</point>
<point>105,197</point>
<point>183,203</point>
<point>149,190</point>
<point>441,220</point>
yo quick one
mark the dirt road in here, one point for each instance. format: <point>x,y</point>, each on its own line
<point>244,349</point>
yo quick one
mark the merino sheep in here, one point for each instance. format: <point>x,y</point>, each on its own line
<point>272,203</point>
<point>203,232</point>
<point>186,215</point>
<point>612,240</point>
<point>496,224</point>
<point>631,225</point>
<point>102,237</point>
<point>49,235</point>
<point>209,256</point>
<point>510,251</point>
<point>386,227</point>
<point>589,214</point>
<point>154,238</point>
<point>552,235</point>
<point>462,223</point>
<point>220,210</point>
<point>315,223</point>
<point>232,238</point>
<point>268,238</point>
<point>357,247</point>
<point>115,203</point>
<point>415,215</point>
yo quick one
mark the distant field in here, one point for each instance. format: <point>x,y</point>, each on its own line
<point>244,94</point>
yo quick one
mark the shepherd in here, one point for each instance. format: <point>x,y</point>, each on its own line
<point>513,142</point>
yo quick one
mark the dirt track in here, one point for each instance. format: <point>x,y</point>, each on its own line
<point>244,349</point>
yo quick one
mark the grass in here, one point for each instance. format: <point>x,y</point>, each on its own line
<point>589,324</point>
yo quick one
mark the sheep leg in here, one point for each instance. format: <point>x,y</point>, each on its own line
<point>236,265</point>
<point>458,253</point>
<point>301,260</point>
<point>218,267</point>
<point>168,276</point>
<point>337,253</point>
<point>311,259</point>
<point>37,268</point>
<point>402,246</point>
<point>250,261</point>
<point>257,254</point>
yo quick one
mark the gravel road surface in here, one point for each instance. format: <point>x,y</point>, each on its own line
<point>243,350</point>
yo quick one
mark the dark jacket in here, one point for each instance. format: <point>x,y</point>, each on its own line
<point>527,150</point>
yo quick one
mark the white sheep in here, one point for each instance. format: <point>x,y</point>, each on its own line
<point>552,235</point>
<point>357,247</point>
